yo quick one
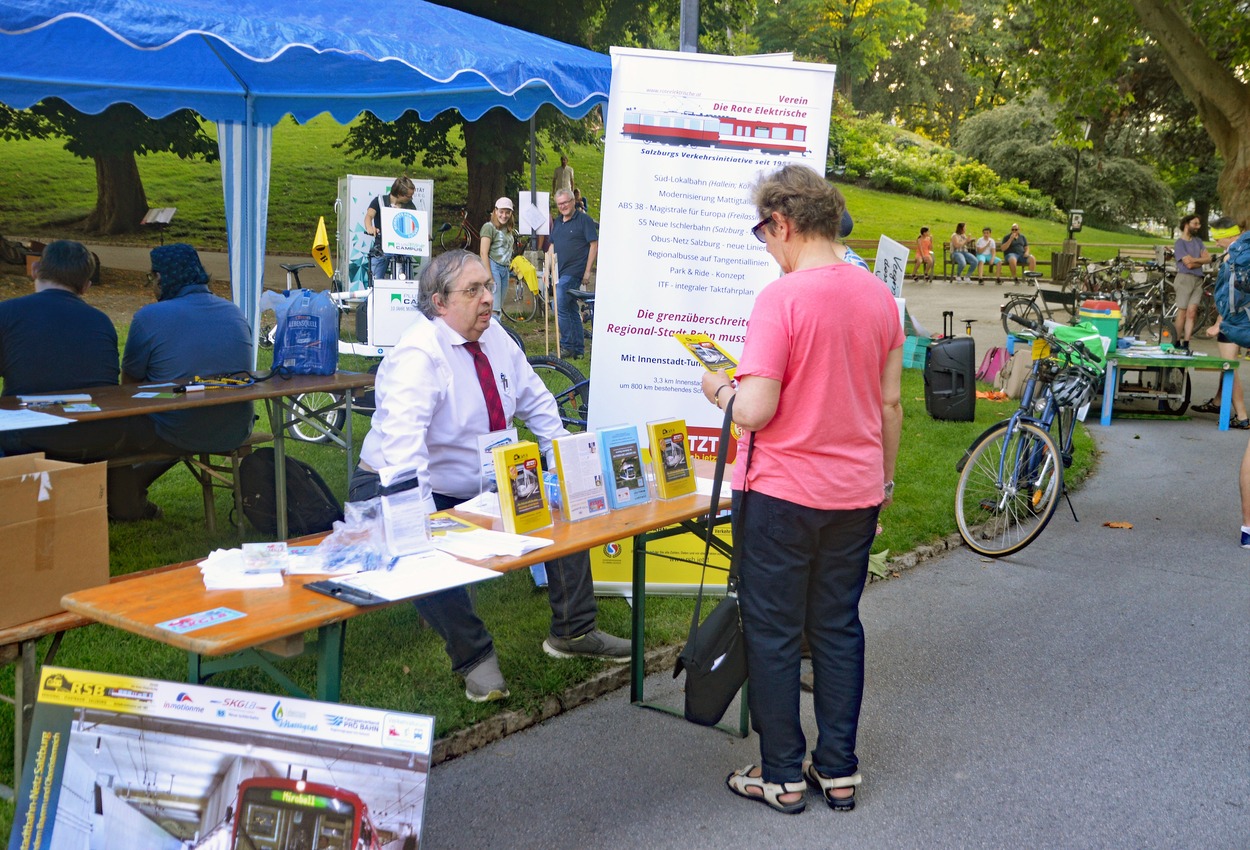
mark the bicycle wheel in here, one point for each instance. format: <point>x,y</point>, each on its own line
<point>1175,382</point>
<point>453,237</point>
<point>1153,329</point>
<point>568,385</point>
<point>315,406</point>
<point>519,304</point>
<point>1025,309</point>
<point>1009,489</point>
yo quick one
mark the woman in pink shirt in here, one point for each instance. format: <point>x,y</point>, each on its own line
<point>818,397</point>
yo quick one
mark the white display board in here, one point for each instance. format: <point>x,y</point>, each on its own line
<point>355,193</point>
<point>405,232</point>
<point>686,136</point>
<point>533,218</point>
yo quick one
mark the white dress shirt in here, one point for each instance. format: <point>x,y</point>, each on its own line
<point>430,410</point>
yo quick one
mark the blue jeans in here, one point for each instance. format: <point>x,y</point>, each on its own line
<point>965,262</point>
<point>572,335</point>
<point>377,266</point>
<point>803,569</point>
<point>500,273</point>
<point>571,593</point>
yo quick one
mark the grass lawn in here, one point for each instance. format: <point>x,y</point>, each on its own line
<point>53,190</point>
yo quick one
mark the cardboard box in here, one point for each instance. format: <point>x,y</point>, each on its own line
<point>53,532</point>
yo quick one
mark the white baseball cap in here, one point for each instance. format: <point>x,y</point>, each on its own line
<point>503,204</point>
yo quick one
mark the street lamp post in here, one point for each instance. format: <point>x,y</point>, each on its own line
<point>1073,213</point>
<point>1075,216</point>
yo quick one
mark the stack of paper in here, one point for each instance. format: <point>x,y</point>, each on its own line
<point>225,569</point>
<point>480,544</point>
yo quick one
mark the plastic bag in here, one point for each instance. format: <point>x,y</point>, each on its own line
<point>358,541</point>
<point>307,338</point>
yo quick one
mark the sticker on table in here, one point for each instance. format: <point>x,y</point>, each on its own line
<point>201,620</point>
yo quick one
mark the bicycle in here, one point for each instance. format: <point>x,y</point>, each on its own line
<point>463,235</point>
<point>1029,306</point>
<point>1011,477</point>
<point>569,386</point>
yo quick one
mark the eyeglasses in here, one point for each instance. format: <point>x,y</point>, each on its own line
<point>757,231</point>
<point>474,291</point>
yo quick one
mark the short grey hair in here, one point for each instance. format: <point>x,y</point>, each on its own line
<point>439,278</point>
<point>565,192</point>
<point>813,205</point>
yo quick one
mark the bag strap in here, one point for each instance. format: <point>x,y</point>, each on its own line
<point>722,450</point>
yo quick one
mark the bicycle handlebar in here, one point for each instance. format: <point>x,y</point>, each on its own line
<point>1078,347</point>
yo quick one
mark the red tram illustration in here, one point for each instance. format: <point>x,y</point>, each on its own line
<point>718,131</point>
<point>289,814</point>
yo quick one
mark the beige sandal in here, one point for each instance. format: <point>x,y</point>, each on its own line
<point>826,784</point>
<point>740,781</point>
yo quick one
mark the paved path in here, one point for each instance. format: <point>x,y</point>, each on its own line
<point>1092,691</point>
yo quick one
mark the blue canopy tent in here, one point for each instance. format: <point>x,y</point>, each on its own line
<point>247,63</point>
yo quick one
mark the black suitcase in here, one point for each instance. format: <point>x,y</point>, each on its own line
<point>950,390</point>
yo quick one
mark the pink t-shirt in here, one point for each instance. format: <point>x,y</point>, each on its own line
<point>825,333</point>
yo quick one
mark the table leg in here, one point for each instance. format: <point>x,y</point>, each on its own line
<point>330,641</point>
<point>1110,385</point>
<point>637,655</point>
<point>347,437</point>
<point>1226,396</point>
<point>25,686</point>
<point>277,418</point>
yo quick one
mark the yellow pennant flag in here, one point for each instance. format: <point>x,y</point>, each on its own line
<point>321,248</point>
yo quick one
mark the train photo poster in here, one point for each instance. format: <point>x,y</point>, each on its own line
<point>127,762</point>
<point>686,136</point>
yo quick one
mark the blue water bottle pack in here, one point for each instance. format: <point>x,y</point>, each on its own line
<point>307,340</point>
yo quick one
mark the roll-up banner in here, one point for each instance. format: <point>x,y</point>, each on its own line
<point>687,134</point>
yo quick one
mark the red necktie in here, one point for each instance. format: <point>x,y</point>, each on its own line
<point>494,404</point>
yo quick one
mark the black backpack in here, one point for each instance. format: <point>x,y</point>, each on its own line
<point>310,504</point>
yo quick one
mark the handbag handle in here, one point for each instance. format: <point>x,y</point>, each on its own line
<point>722,450</point>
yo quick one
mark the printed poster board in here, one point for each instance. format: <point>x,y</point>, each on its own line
<point>355,193</point>
<point>165,766</point>
<point>686,136</point>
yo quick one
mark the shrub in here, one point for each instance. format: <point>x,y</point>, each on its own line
<point>869,150</point>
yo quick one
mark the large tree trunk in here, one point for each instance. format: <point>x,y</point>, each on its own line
<point>121,202</point>
<point>1222,100</point>
<point>491,154</point>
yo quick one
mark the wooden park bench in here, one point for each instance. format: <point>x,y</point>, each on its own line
<point>1147,253</point>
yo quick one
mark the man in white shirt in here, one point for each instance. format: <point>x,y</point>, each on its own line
<point>433,401</point>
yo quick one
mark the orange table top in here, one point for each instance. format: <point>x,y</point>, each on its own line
<point>138,606</point>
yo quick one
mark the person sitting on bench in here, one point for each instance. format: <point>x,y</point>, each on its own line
<point>1016,251</point>
<point>188,332</point>
<point>52,341</point>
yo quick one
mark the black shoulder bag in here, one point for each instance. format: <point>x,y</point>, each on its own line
<point>714,657</point>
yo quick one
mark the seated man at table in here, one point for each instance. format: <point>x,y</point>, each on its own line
<point>450,380</point>
<point>52,341</point>
<point>187,332</point>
